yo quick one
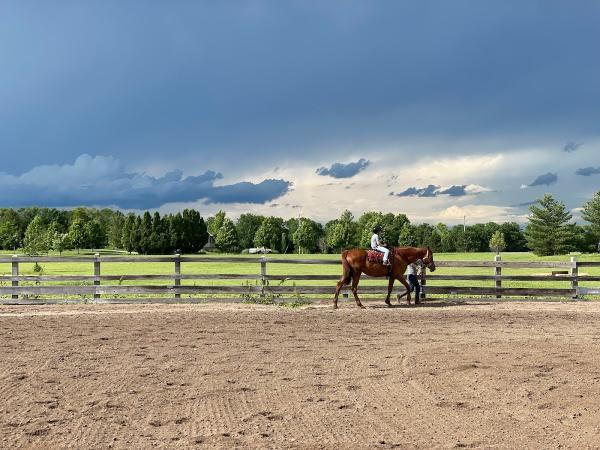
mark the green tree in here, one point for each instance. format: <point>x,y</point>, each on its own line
<point>306,235</point>
<point>226,239</point>
<point>342,233</point>
<point>77,234</point>
<point>195,234</point>
<point>393,225</point>
<point>175,231</point>
<point>215,222</point>
<point>36,237</point>
<point>10,230</point>
<point>497,242</point>
<point>446,244</point>
<point>548,231</point>
<point>59,242</point>
<point>127,234</point>
<point>365,225</point>
<point>514,237</point>
<point>408,236</point>
<point>591,214</point>
<point>116,228</point>
<point>270,233</point>
<point>246,227</point>
<point>146,233</point>
<point>95,236</point>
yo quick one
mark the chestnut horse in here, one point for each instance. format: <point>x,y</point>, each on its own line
<point>355,263</point>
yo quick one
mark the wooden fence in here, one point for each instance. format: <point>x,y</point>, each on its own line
<point>26,289</point>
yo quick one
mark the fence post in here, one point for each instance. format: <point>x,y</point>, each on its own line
<point>96,272</point>
<point>177,273</point>
<point>574,274</point>
<point>15,273</point>
<point>498,273</point>
<point>263,275</point>
<point>423,281</point>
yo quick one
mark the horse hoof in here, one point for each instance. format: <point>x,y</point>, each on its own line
<point>361,307</point>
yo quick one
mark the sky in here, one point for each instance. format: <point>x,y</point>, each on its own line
<point>435,109</point>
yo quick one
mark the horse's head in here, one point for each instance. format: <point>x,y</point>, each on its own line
<point>428,260</point>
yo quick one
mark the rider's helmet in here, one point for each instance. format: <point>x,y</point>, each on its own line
<point>377,229</point>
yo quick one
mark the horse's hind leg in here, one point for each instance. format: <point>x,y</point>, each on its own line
<point>340,284</point>
<point>355,280</point>
<point>407,293</point>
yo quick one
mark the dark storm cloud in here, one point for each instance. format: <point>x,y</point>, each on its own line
<point>340,170</point>
<point>570,147</point>
<point>456,190</point>
<point>429,191</point>
<point>102,181</point>
<point>544,180</point>
<point>588,171</point>
<point>273,81</point>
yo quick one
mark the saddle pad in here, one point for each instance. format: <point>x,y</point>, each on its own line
<point>375,256</point>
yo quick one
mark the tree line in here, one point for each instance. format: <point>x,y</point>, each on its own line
<point>549,231</point>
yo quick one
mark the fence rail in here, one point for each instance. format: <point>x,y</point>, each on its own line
<point>266,284</point>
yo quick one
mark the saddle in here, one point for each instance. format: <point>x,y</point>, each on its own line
<point>377,257</point>
<point>374,256</point>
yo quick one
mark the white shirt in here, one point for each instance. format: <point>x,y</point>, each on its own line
<point>374,241</point>
<point>414,268</point>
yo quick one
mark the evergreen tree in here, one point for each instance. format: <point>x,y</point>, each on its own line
<point>160,237</point>
<point>146,234</point>
<point>548,231</point>
<point>226,239</point>
<point>195,234</point>
<point>591,214</point>
<point>127,241</point>
<point>175,230</point>
<point>36,237</point>
<point>136,235</point>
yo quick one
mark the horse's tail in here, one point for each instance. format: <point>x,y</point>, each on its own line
<point>347,276</point>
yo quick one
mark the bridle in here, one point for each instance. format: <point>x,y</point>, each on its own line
<point>428,260</point>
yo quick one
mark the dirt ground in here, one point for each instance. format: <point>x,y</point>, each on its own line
<point>516,375</point>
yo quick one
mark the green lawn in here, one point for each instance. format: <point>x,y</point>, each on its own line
<point>151,268</point>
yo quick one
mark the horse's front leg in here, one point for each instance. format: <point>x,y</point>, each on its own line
<point>407,293</point>
<point>390,287</point>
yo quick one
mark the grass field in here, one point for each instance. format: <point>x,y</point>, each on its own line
<point>151,268</point>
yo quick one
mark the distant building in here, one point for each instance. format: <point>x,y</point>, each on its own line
<point>210,245</point>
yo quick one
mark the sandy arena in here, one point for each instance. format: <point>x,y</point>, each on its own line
<point>518,375</point>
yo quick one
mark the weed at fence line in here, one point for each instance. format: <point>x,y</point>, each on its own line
<point>269,298</point>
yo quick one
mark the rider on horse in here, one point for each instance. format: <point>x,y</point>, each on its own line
<point>376,244</point>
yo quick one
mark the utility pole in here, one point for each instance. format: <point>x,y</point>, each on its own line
<point>464,224</point>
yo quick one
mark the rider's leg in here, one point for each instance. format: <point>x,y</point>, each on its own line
<point>385,252</point>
